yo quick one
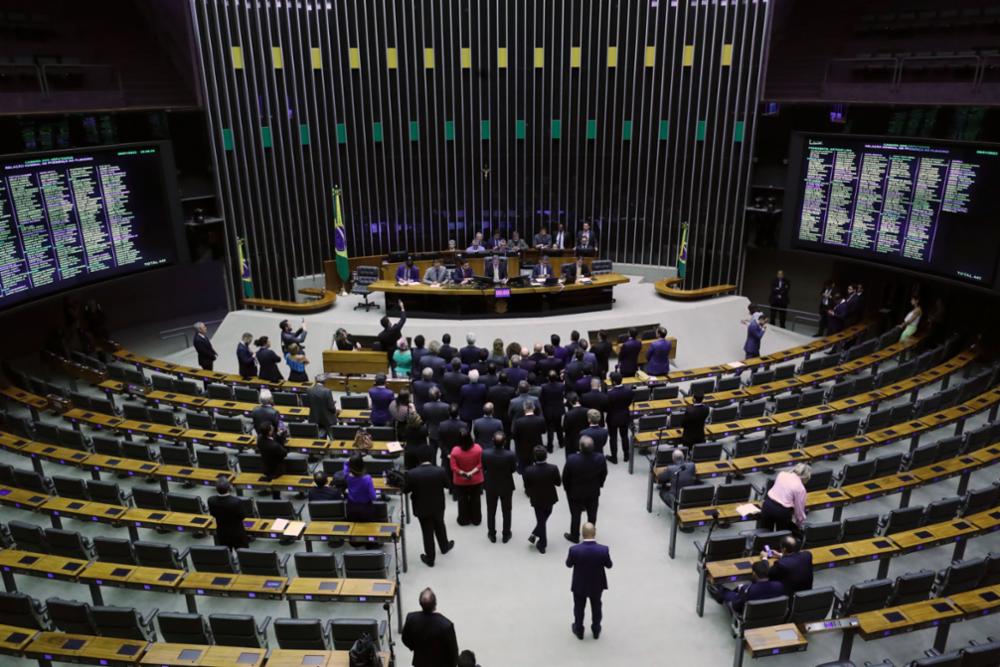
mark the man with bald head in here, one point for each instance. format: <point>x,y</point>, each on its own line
<point>430,635</point>
<point>589,561</point>
<point>583,476</point>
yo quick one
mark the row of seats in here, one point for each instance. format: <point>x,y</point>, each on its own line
<point>20,610</point>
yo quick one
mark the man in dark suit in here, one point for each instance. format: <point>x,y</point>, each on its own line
<point>516,374</point>
<point>548,363</point>
<point>487,426</point>
<point>542,239</point>
<point>450,433</point>
<point>779,300</point>
<point>433,361</point>
<point>527,431</point>
<point>420,389</point>
<point>446,351</point>
<point>407,273</point>
<point>470,353</point>
<point>583,476</point>
<point>585,238</point>
<point>417,351</point>
<point>519,402</point>
<point>575,271</point>
<point>619,414</point>
<point>628,354</point>
<point>322,489</point>
<point>500,395</point>
<point>380,397</point>
<point>794,569</point>
<point>574,421</point>
<point>540,482</point>
<point>391,333</point>
<point>462,274</point>
<point>426,485</point>
<point>244,357</point>
<point>589,561</point>
<point>435,413</point>
<point>499,466</point>
<point>265,412</point>
<point>576,368</point>
<point>430,635</point>
<point>471,398</point>
<point>496,269</point>
<point>542,270</point>
<point>228,512</point>
<point>454,378</point>
<point>602,352</point>
<point>760,588</point>
<point>594,398</point>
<point>693,422</point>
<point>553,398</point>
<point>596,432</point>
<point>322,406</point>
<point>203,346</point>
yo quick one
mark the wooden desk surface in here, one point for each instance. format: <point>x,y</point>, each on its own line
<point>20,498</point>
<point>978,602</point>
<point>291,658</point>
<point>884,622</point>
<point>785,638</point>
<point>13,639</point>
<point>64,647</point>
<point>920,538</point>
<point>599,281</point>
<point>24,397</point>
<point>835,555</point>
<point>183,655</point>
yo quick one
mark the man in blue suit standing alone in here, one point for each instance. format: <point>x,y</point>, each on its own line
<point>589,561</point>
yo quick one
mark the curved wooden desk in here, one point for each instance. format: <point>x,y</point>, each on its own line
<point>451,301</point>
<point>325,299</point>
<point>667,287</point>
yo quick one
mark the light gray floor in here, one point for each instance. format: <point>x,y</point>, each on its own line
<point>512,606</point>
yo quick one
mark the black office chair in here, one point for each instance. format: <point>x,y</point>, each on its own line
<point>179,628</point>
<point>769,538</point>
<point>262,563</point>
<point>345,631</point>
<point>68,544</point>
<point>862,527</point>
<point>959,577</point>
<point>278,509</point>
<point>23,611</point>
<point>107,492</point>
<point>721,547</point>
<point>139,450</point>
<point>177,455</point>
<point>70,487</point>
<point>230,424</point>
<point>317,565</point>
<point>735,492</point>
<point>239,630</point>
<point>865,596</point>
<point>71,439</point>
<point>215,460</point>
<point>820,534</point>
<point>246,394</point>
<point>858,471</point>
<point>354,403</point>
<point>222,392</point>
<point>213,559</point>
<point>28,536</point>
<point>303,430</point>
<point>901,519</point>
<point>663,392</point>
<point>187,503</point>
<point>107,445</point>
<point>124,623</point>
<point>327,510</point>
<point>159,555</point>
<point>981,655</point>
<point>361,282</point>
<point>944,509</point>
<point>759,614</point>
<point>32,481</point>
<point>812,605</point>
<point>980,500</point>
<point>369,564</point>
<point>303,634</point>
<point>750,409</point>
<point>114,550</point>
<point>911,587</point>
<point>149,499</point>
<point>784,371</point>
<point>71,616</point>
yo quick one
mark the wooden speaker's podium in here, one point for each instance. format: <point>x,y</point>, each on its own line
<point>354,362</point>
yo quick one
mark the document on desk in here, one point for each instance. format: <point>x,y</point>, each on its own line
<point>279,524</point>
<point>735,364</point>
<point>394,447</point>
<point>747,509</point>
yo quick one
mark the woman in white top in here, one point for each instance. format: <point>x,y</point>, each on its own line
<point>912,319</point>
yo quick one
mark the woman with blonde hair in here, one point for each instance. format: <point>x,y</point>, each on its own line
<point>784,506</point>
<point>402,359</point>
<point>497,356</point>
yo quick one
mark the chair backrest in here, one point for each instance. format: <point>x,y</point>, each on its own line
<point>246,394</point>
<point>157,554</point>
<point>724,414</point>
<point>888,464</point>
<point>858,471</point>
<point>236,630</point>
<point>811,365</point>
<point>696,495</point>
<point>176,455</point>
<point>303,634</point>
<point>847,427</point>
<point>923,455</point>
<point>820,480</point>
<point>769,538</point>
<point>184,628</point>
<point>991,577</point>
<point>820,534</point>
<point>701,387</point>
<point>162,382</point>
<point>287,398</point>
<point>136,412</point>
<point>949,447</point>
<point>320,565</point>
<point>221,392</point>
<point>297,464</point>
<point>67,437</point>
<point>31,480</point>
<point>761,377</point>
<point>866,596</point>
<point>653,422</point>
<point>185,386</point>
<point>249,462</point>
<point>276,509</point>
<point>961,577</point>
<point>781,441</point>
<point>706,451</point>
<point>215,459</point>
<point>878,419</point>
<point>812,397</point>
<point>345,631</point>
<point>911,587</point>
<point>28,536</point>
<point>71,616</point>
<point>259,562</point>
<point>149,499</point>
<point>724,547</point>
<point>861,527</point>
<point>212,559</point>
<point>303,430</point>
<point>763,613</point>
<point>818,433</point>
<point>753,408</point>
<point>107,445</point>
<point>122,622</point>
<point>105,492</point>
<point>942,510</point>
<point>199,420</point>
<point>70,487</point>
<point>982,655</point>
<point>903,519</point>
<point>138,450</point>
<point>114,550</point>
<point>811,605</point>
<point>21,610</point>
<point>736,492</point>
<point>230,424</point>
<point>68,544</point>
<point>186,502</point>
<point>750,446</point>
<point>327,510</point>
<point>354,402</point>
<point>980,500</point>
<point>369,564</point>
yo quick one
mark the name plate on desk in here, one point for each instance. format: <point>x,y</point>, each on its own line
<point>831,625</point>
<point>502,293</point>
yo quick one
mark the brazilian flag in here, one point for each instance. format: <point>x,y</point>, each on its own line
<point>682,253</point>
<point>340,234</point>
<point>245,276</point>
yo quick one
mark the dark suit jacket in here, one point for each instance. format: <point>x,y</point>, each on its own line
<point>516,408</point>
<point>268,360</point>
<point>322,408</point>
<point>619,405</point>
<point>421,390</point>
<point>449,432</point>
<point>542,270</point>
<point>203,346</point>
<point>552,397</point>
<point>432,639</point>
<point>447,352</point>
<point>471,398</point>
<point>543,366</point>
<point>754,333</point>
<point>540,482</point>
<point>469,355</point>
<point>584,476</point>
<point>264,414</point>
<point>229,515</point>
<point>596,400</point>
<point>693,424</point>
<point>756,590</point>
<point>515,375</point>
<point>483,430</point>
<point>658,357</point>
<point>245,358</point>
<point>527,432</point>
<point>628,357</point>
<point>323,493</point>
<point>387,337</point>
<point>599,434</point>
<point>574,422</point>
<point>451,385</point>
<point>435,412</point>
<point>590,562</point>
<point>602,352</point>
<point>435,363</point>
<point>794,571</point>
<point>404,272</point>
<point>272,456</point>
<point>779,292</point>
<point>499,466</point>
<point>500,396</point>
<point>501,270</point>
<point>426,484</point>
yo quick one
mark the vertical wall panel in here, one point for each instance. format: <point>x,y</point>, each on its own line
<point>440,118</point>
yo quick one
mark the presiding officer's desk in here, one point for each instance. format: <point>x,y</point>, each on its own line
<point>455,300</point>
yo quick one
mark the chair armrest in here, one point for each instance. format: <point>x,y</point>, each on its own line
<point>382,627</point>
<point>126,498</point>
<point>262,628</point>
<point>148,620</point>
<point>182,555</point>
<point>298,510</point>
<point>700,548</point>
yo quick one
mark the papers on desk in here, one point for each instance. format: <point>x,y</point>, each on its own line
<point>747,509</point>
<point>735,364</point>
<point>787,635</point>
<point>279,524</point>
<point>394,447</point>
<point>585,281</point>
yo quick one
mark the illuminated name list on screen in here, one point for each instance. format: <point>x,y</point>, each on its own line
<point>915,205</point>
<point>70,219</point>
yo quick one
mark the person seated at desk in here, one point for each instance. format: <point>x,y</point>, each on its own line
<point>542,270</point>
<point>497,241</point>
<point>497,269</point>
<point>794,568</point>
<point>477,244</point>
<point>322,489</point>
<point>585,238</point>
<point>516,243</point>
<point>436,274</point>
<point>463,274</point>
<point>361,494</point>
<point>761,588</point>
<point>452,246</point>
<point>542,239</point>
<point>574,272</point>
<point>407,274</point>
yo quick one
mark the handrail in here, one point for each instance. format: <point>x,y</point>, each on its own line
<point>183,331</point>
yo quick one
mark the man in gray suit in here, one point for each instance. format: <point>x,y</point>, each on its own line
<point>484,428</point>
<point>322,406</point>
<point>516,408</point>
<point>435,412</point>
<point>436,274</point>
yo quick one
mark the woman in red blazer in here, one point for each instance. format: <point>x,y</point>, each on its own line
<point>467,477</point>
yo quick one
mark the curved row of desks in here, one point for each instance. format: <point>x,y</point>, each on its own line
<point>668,287</point>
<point>322,300</point>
